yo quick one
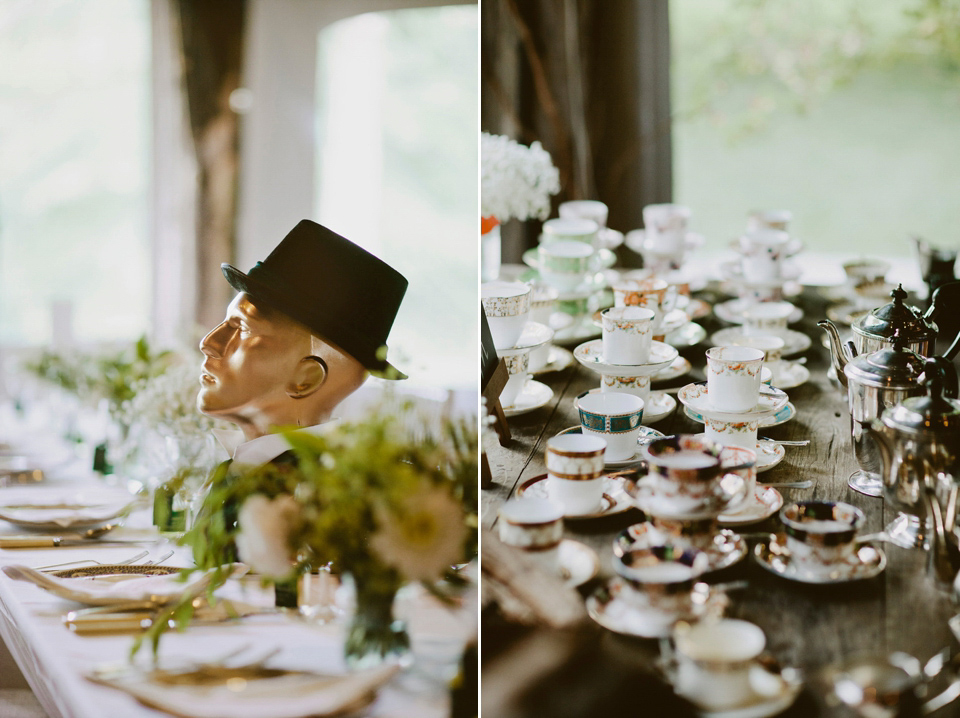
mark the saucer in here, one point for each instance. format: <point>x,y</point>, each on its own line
<point>726,549</point>
<point>793,342</point>
<point>795,245</point>
<point>602,259</point>
<point>848,313</point>
<point>647,499</point>
<point>636,240</point>
<point>769,453</point>
<point>534,335</point>
<point>782,416</point>
<point>778,693</point>
<point>615,499</point>
<point>732,311</point>
<point>675,370</point>
<point>559,321</point>
<point>689,335</point>
<point>613,607</point>
<point>698,309</point>
<point>732,271</point>
<point>789,375</point>
<point>533,396</point>
<point>867,562</point>
<point>576,331</point>
<point>558,360</point>
<point>578,562</point>
<point>764,503</point>
<point>695,396</point>
<point>659,406</point>
<point>646,436</point>
<point>590,354</point>
<point>609,239</point>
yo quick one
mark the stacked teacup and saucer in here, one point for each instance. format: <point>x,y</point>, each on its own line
<point>627,356</point>
<point>732,404</point>
<point>666,239</point>
<point>821,544</point>
<point>569,259</point>
<point>660,561</point>
<point>507,309</point>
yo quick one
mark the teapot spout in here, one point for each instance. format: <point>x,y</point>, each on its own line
<point>839,354</point>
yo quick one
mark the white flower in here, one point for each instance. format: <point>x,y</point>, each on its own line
<point>515,181</point>
<point>263,542</point>
<point>424,538</point>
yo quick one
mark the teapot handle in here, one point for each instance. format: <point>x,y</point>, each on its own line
<point>946,298</point>
<point>941,371</point>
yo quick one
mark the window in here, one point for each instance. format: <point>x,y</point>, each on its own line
<point>396,170</point>
<point>843,112</point>
<point>74,168</point>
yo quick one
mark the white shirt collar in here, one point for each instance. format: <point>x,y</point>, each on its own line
<point>263,449</point>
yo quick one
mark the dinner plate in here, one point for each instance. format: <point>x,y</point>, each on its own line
<point>793,342</point>
<point>158,589</point>
<point>45,509</point>
<point>534,396</point>
<point>615,499</point>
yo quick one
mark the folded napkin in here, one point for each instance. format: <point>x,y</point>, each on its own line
<point>193,694</point>
<point>93,592</point>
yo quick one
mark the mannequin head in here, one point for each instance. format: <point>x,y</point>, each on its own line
<point>263,370</point>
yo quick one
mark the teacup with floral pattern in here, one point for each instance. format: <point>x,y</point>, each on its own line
<point>636,385</point>
<point>627,335</point>
<point>733,377</point>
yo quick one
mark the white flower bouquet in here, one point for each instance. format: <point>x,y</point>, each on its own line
<point>516,182</point>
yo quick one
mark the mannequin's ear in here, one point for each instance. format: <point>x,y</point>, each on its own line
<point>310,374</point>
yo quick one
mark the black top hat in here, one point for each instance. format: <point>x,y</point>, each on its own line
<point>338,290</point>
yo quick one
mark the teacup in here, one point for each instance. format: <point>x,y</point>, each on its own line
<point>627,335</point>
<point>585,209</point>
<point>662,578</point>
<point>699,533</point>
<point>686,477</point>
<point>665,226</point>
<point>564,262</point>
<point>575,471</point>
<point>732,433</point>
<point>612,416</point>
<point>518,368</point>
<point>543,299</point>
<point>652,293</point>
<point>767,318</point>
<point>536,526</point>
<point>762,253</point>
<point>575,228</point>
<point>715,659</point>
<point>778,219</point>
<point>741,461</point>
<point>507,306</point>
<point>733,377</point>
<point>821,533</point>
<point>864,273</point>
<point>751,294</point>
<point>636,385</point>
<point>770,344</point>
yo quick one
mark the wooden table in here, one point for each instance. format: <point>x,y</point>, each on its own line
<point>806,626</point>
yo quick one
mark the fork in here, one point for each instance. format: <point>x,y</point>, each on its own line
<point>125,562</point>
<point>158,561</point>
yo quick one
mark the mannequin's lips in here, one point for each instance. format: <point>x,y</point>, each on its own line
<point>207,376</point>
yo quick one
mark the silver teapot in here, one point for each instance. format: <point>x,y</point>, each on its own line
<point>875,330</point>
<point>919,445</point>
<point>874,382</point>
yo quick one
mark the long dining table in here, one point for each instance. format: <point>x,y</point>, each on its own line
<point>56,661</point>
<point>807,627</point>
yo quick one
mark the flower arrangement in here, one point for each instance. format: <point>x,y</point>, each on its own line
<point>515,181</point>
<point>390,499</point>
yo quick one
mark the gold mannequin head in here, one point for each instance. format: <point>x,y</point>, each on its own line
<point>264,370</point>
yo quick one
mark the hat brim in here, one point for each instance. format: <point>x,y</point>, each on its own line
<point>245,283</point>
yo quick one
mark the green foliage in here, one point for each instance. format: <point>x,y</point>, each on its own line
<point>344,481</point>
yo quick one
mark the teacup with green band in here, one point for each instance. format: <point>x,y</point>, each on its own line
<point>614,416</point>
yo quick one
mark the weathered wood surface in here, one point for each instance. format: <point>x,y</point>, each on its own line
<point>806,626</point>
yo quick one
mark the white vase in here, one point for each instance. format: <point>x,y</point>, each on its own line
<point>490,255</point>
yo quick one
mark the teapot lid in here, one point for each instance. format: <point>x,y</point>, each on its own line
<point>932,413</point>
<point>887,368</point>
<point>885,320</point>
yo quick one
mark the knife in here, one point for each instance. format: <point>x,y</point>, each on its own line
<point>54,541</point>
